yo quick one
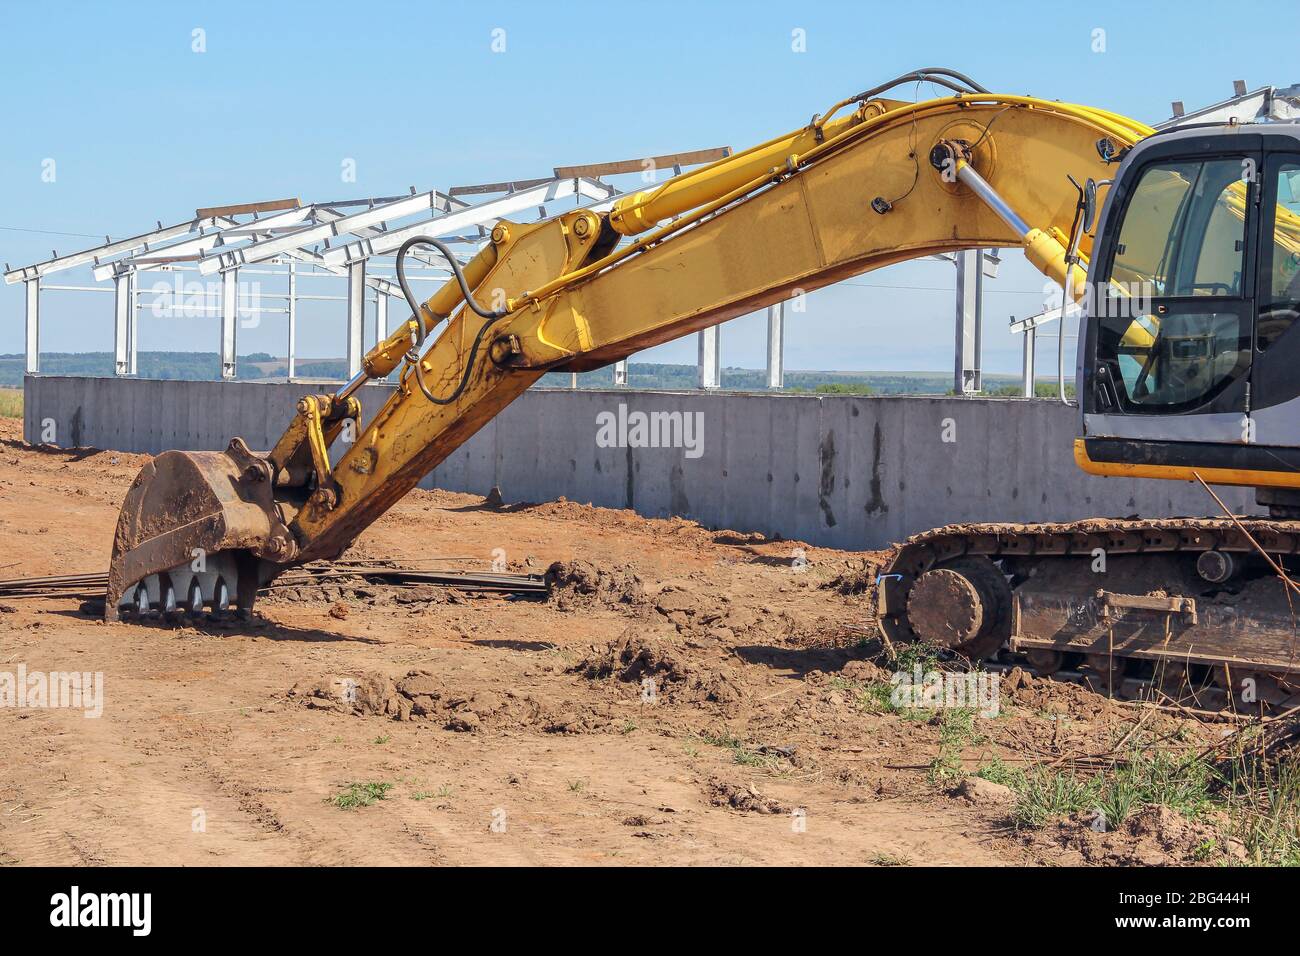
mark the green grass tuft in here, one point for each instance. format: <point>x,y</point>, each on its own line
<point>357,795</point>
<point>907,656</point>
<point>956,730</point>
<point>890,859</point>
<point>739,752</point>
<point>1264,809</point>
<point>996,771</point>
<point>1048,794</point>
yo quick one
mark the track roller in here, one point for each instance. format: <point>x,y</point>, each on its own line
<point>1044,661</point>
<point>963,605</point>
<point>1104,673</point>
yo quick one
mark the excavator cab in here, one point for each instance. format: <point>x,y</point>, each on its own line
<point>1188,360</point>
<point>1189,367</point>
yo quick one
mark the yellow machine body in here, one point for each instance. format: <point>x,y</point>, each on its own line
<point>784,218</point>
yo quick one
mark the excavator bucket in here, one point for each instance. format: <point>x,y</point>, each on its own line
<point>197,529</point>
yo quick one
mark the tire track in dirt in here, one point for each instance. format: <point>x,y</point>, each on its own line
<point>144,817</point>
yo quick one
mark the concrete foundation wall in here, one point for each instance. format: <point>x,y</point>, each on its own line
<point>840,471</point>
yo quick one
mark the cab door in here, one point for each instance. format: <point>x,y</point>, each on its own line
<point>1275,388</point>
<point>1173,317</point>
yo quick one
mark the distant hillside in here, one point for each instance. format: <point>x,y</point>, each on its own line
<point>205,366</point>
<point>684,377</point>
<point>185,366</point>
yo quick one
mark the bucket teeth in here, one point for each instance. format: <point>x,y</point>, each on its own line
<point>195,516</point>
<point>190,589</point>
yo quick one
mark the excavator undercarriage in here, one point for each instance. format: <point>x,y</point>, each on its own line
<point>1187,608</point>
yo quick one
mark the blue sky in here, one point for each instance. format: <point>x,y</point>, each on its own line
<point>142,128</point>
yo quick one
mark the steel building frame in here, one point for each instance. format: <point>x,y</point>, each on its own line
<point>298,241</point>
<point>349,238</point>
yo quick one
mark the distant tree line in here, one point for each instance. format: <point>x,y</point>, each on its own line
<point>206,366</point>
<point>182,366</point>
<point>685,377</point>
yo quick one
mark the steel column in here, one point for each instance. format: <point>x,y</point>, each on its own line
<point>356,314</point>
<point>1028,362</point>
<point>290,369</point>
<point>33,289</point>
<point>710,361</point>
<point>229,320</point>
<point>776,345</point>
<point>620,372</point>
<point>381,316</point>
<point>133,322</point>
<point>122,292</point>
<point>967,378</point>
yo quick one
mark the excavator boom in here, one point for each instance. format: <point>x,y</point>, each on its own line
<point>852,191</point>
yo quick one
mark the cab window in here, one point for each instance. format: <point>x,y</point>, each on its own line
<point>1174,328</point>
<point>1280,289</point>
<point>1184,229</point>
<point>1181,358</point>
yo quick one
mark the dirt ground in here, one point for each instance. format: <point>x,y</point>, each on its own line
<point>686,696</point>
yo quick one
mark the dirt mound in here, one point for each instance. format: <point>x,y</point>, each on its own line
<point>713,687</point>
<point>711,615</point>
<point>868,672</point>
<point>581,584</point>
<point>692,613</point>
<point>1056,697</point>
<point>741,796</point>
<point>364,694</point>
<point>1152,836</point>
<point>420,695</point>
<point>855,577</point>
<point>632,656</point>
<point>981,792</point>
<point>659,663</point>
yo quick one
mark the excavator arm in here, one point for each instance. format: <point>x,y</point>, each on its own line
<point>850,192</point>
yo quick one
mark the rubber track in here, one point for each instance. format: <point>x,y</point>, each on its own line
<point>1081,538</point>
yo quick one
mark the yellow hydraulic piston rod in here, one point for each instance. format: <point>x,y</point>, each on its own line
<point>642,211</point>
<point>1042,249</point>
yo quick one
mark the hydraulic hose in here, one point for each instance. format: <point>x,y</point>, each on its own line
<point>419,309</point>
<point>932,74</point>
<point>1067,293</point>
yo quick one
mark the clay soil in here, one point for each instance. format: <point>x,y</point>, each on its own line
<point>684,696</point>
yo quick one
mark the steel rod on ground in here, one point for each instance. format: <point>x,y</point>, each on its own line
<point>93,584</point>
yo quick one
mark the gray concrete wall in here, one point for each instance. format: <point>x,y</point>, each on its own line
<point>841,471</point>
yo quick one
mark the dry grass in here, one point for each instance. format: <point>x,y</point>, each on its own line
<point>11,403</point>
<point>1253,790</point>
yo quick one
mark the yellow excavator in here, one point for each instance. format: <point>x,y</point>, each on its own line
<point>1189,285</point>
